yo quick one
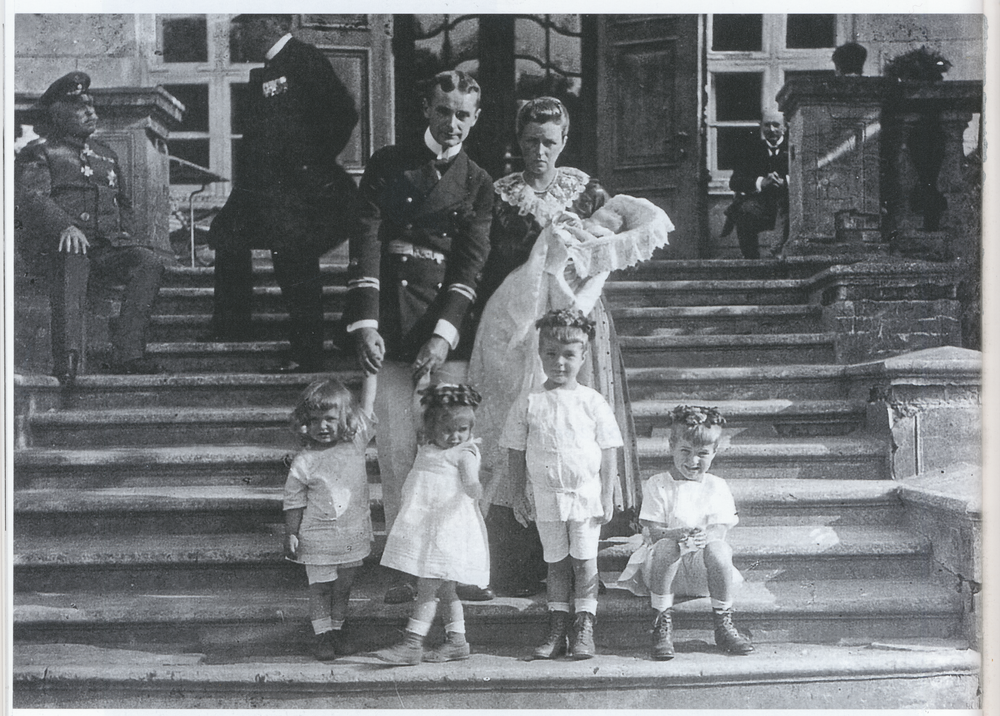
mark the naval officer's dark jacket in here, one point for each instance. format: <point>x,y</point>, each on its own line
<point>289,187</point>
<point>403,200</point>
<point>66,181</point>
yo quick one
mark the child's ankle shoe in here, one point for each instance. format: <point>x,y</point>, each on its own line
<point>454,648</point>
<point>581,642</point>
<point>408,652</point>
<point>726,636</point>
<point>663,636</point>
<point>555,643</point>
<point>326,647</point>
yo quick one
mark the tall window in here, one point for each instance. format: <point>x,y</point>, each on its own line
<point>749,59</point>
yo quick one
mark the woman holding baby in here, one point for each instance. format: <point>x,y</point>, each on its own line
<point>556,235</point>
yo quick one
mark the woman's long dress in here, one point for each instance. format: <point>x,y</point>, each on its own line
<point>537,264</point>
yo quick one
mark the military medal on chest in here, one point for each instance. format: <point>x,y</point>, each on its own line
<point>86,155</point>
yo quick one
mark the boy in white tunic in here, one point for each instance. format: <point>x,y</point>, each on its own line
<point>686,515</point>
<point>562,440</point>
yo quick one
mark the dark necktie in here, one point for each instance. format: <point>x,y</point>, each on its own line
<point>441,166</point>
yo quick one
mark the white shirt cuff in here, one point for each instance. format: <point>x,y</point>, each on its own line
<point>367,323</point>
<point>447,331</point>
<point>758,183</point>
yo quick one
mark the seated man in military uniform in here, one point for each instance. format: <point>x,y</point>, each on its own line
<point>74,215</point>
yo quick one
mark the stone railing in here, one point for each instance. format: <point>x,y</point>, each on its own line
<point>878,167</point>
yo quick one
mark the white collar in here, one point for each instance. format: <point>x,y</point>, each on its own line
<point>278,46</point>
<point>439,151</point>
<point>774,147</point>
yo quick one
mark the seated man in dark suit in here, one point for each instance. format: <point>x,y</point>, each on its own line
<point>290,195</point>
<point>760,180</point>
<point>75,215</point>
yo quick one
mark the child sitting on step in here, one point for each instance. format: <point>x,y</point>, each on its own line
<point>327,511</point>
<point>562,440</point>
<point>686,514</point>
<point>439,535</point>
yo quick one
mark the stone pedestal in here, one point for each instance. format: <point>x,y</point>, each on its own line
<point>834,153</point>
<point>924,187</point>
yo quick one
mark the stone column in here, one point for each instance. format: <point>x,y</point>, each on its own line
<point>834,152</point>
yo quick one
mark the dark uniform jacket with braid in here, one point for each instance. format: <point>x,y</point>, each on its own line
<point>289,187</point>
<point>403,200</point>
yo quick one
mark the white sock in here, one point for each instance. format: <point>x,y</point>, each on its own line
<point>418,628</point>
<point>718,604</point>
<point>323,625</point>
<point>456,616</point>
<point>559,607</point>
<point>661,602</point>
<point>338,624</point>
<point>585,605</point>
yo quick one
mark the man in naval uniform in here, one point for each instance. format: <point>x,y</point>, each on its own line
<point>426,209</point>
<point>290,194</point>
<point>760,180</point>
<point>74,216</point>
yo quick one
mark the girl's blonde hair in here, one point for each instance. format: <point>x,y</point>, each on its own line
<point>697,424</point>
<point>442,397</point>
<point>320,397</point>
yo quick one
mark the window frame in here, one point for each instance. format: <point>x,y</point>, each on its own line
<point>771,61</point>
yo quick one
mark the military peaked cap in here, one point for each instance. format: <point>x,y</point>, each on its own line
<point>68,88</point>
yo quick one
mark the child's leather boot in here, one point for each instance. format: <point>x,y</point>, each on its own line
<point>581,644</point>
<point>726,636</point>
<point>454,648</point>
<point>555,643</point>
<point>663,636</point>
<point>408,652</point>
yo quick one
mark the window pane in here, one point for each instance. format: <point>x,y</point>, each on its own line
<point>737,96</point>
<point>193,150</point>
<point>239,96</point>
<point>185,39</point>
<point>732,142</point>
<point>737,32</point>
<point>789,74</point>
<point>810,31</point>
<point>195,99</point>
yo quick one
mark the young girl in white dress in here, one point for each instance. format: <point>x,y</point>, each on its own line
<point>327,511</point>
<point>439,535</point>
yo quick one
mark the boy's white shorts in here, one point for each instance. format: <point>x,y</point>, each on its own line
<point>574,538</point>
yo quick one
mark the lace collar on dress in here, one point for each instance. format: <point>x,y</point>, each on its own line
<point>567,185</point>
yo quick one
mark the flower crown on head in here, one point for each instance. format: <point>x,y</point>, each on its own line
<point>449,395</point>
<point>694,415</point>
<point>566,318</point>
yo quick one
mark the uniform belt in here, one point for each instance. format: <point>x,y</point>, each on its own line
<point>405,248</point>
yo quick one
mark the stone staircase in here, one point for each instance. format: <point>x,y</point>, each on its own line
<point>147,529</point>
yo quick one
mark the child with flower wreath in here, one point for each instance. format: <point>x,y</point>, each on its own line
<point>439,535</point>
<point>686,514</point>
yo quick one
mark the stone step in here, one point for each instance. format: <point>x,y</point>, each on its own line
<point>184,328</point>
<point>239,357</point>
<point>154,426</point>
<point>712,320</point>
<point>728,350</point>
<point>924,674</point>
<point>817,458</point>
<point>143,562</point>
<point>272,619</point>
<point>217,509</point>
<point>766,382</point>
<point>794,267</point>
<point>334,274</point>
<point>707,293</point>
<point>197,300</point>
<point>771,418</point>
<point>109,392</point>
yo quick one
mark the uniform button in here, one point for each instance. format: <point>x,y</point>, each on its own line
<point>409,200</point>
<point>85,216</point>
<point>404,258</point>
<point>409,226</point>
<point>403,283</point>
<point>444,234</point>
<point>439,287</point>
